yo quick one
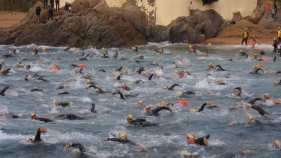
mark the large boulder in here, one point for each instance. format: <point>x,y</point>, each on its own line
<point>187,29</point>
<point>256,15</point>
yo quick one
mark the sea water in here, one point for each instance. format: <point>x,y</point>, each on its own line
<point>110,120</point>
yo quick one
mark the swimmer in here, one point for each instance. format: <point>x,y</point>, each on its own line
<point>210,66</point>
<point>278,72</point>
<point>64,86</point>
<point>34,117</point>
<point>57,66</point>
<point>92,85</point>
<point>153,74</point>
<point>87,76</point>
<point>7,56</point>
<point>184,73</point>
<point>227,75</point>
<point>135,48</point>
<point>140,57</point>
<point>185,94</point>
<point>37,138</point>
<point>42,79</point>
<point>254,57</point>
<point>140,103</point>
<point>277,83</point>
<point>10,114</point>
<point>190,138</point>
<point>84,58</point>
<point>266,97</point>
<point>18,64</point>
<point>2,92</point>
<point>81,149</point>
<point>63,92</point>
<point>26,67</point>
<point>69,117</point>
<point>255,70</point>
<point>93,108</point>
<point>35,52</point>
<point>104,56</point>
<point>73,65</point>
<point>119,69</point>
<point>219,68</point>
<point>277,144</point>
<point>238,94</point>
<point>156,111</point>
<point>242,53</point>
<point>259,109</point>
<point>102,70</point>
<point>125,87</point>
<point>78,71</point>
<point>250,120</point>
<point>119,77</point>
<point>252,101</point>
<point>160,50</point>
<point>262,52</point>
<point>139,122</point>
<point>26,78</point>
<point>219,82</point>
<point>172,87</point>
<point>63,104</point>
<point>124,96</point>
<point>5,71</point>
<point>35,89</point>
<point>98,90</point>
<point>203,106</point>
<point>115,56</point>
<point>89,81</point>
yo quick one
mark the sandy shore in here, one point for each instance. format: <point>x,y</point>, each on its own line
<point>9,19</point>
<point>235,41</point>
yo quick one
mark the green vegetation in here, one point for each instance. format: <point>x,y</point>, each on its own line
<point>17,5</point>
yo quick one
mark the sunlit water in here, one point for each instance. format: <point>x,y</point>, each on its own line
<point>110,120</point>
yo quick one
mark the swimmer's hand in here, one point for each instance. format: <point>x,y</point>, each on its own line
<point>231,124</point>
<point>105,139</point>
<point>65,147</point>
<point>143,148</point>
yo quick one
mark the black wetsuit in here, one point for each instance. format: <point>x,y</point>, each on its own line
<point>150,77</point>
<point>255,71</point>
<point>6,71</point>
<point>254,100</point>
<point>262,53</point>
<point>220,68</point>
<point>242,54</point>
<point>239,91</point>
<point>202,107</point>
<point>37,138</point>
<point>3,91</point>
<point>187,94</point>
<point>278,72</point>
<point>141,69</point>
<point>102,70</point>
<point>11,115</point>
<point>172,87</point>
<point>79,146</point>
<point>122,96</point>
<point>127,88</point>
<point>71,117</point>
<point>35,89</point>
<point>200,141</point>
<point>119,77</point>
<point>93,108</point>
<point>142,123</point>
<point>275,44</point>
<point>42,79</point>
<point>127,141</point>
<point>82,58</point>
<point>260,110</point>
<point>64,104</point>
<point>119,69</point>
<point>94,86</point>
<point>62,93</point>
<point>156,111</point>
<point>44,119</point>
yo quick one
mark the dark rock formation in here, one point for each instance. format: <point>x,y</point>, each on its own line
<point>94,23</point>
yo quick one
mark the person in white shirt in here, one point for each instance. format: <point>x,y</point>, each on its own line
<point>190,8</point>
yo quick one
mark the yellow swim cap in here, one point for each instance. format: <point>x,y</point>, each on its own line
<point>140,102</point>
<point>44,49</point>
<point>55,101</point>
<point>250,117</point>
<point>209,44</point>
<point>147,107</point>
<point>123,84</point>
<point>218,81</point>
<point>89,81</point>
<point>123,136</point>
<point>210,64</point>
<point>163,103</point>
<point>190,46</point>
<point>159,105</point>
<point>32,114</point>
<point>190,135</point>
<point>266,95</point>
<point>165,87</point>
<point>277,143</point>
<point>192,110</point>
<point>97,90</point>
<point>275,82</point>
<point>125,71</point>
<point>130,118</point>
<point>176,72</point>
<point>27,139</point>
<point>180,94</point>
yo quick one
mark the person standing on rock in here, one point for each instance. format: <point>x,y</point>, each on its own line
<point>38,10</point>
<point>190,8</point>
<point>66,9</point>
<point>57,5</point>
<point>52,3</point>
<point>45,4</point>
<point>202,35</point>
<point>51,13</point>
<point>245,36</point>
<point>267,10</point>
<point>273,13</point>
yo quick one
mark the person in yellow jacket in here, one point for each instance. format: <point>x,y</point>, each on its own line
<point>279,34</point>
<point>245,36</point>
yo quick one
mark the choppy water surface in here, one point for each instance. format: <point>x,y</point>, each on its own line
<point>110,120</point>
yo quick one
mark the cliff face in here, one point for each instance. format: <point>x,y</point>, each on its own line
<point>95,24</point>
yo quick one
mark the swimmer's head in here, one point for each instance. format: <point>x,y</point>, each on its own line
<point>89,81</point>
<point>165,87</point>
<point>123,136</point>
<point>130,118</point>
<point>125,72</point>
<point>97,90</point>
<point>140,102</point>
<point>180,94</point>
<point>277,143</point>
<point>219,81</point>
<point>275,82</point>
<point>266,95</point>
<point>250,118</point>
<point>32,115</point>
<point>192,110</point>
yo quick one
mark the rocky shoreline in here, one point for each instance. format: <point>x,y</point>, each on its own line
<point>95,24</point>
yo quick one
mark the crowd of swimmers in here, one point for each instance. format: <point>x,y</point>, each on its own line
<point>149,110</point>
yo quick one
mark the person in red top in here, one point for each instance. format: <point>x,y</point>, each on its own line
<point>267,10</point>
